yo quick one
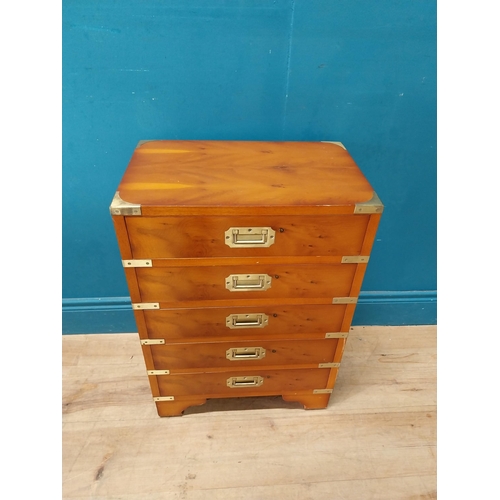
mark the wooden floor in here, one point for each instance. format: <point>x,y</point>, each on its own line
<point>376,440</point>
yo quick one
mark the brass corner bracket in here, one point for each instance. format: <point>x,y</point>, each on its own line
<point>336,143</point>
<point>121,207</point>
<point>373,206</point>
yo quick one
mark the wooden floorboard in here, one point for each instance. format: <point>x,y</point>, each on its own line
<point>376,440</point>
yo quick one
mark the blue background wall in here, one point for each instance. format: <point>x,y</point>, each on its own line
<point>359,72</point>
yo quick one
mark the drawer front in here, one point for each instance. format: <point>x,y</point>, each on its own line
<point>269,321</point>
<point>191,237</point>
<point>270,281</point>
<point>237,354</point>
<point>258,382</point>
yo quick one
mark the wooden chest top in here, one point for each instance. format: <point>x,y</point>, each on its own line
<point>241,177</point>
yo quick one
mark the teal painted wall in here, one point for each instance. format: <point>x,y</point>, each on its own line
<point>359,72</point>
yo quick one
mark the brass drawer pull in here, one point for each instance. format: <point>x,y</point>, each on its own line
<point>243,353</point>
<point>249,237</point>
<point>248,282</point>
<point>235,321</point>
<point>254,381</point>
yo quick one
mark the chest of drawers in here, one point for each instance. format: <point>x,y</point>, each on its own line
<point>244,262</point>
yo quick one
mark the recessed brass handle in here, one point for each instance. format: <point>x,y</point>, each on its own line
<point>235,321</point>
<point>244,353</point>
<point>254,381</point>
<point>248,282</point>
<point>249,237</point>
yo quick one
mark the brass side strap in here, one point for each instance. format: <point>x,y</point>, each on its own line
<point>329,365</point>
<point>158,372</point>
<point>322,391</point>
<point>164,398</point>
<point>146,305</point>
<point>344,300</point>
<point>152,341</point>
<point>137,263</point>
<point>355,259</point>
<point>336,335</point>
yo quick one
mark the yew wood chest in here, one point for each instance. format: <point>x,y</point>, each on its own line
<point>244,262</point>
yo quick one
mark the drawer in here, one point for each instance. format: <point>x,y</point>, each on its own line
<point>238,354</point>
<point>188,237</point>
<point>269,281</point>
<point>218,323</point>
<point>243,383</point>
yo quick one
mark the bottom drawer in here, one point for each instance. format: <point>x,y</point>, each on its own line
<point>243,383</point>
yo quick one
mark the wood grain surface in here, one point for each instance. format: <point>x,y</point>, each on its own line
<point>194,237</point>
<point>178,284</point>
<point>376,439</point>
<point>208,356</point>
<point>163,174</point>
<point>197,324</point>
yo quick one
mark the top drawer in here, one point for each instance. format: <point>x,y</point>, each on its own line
<point>191,237</point>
